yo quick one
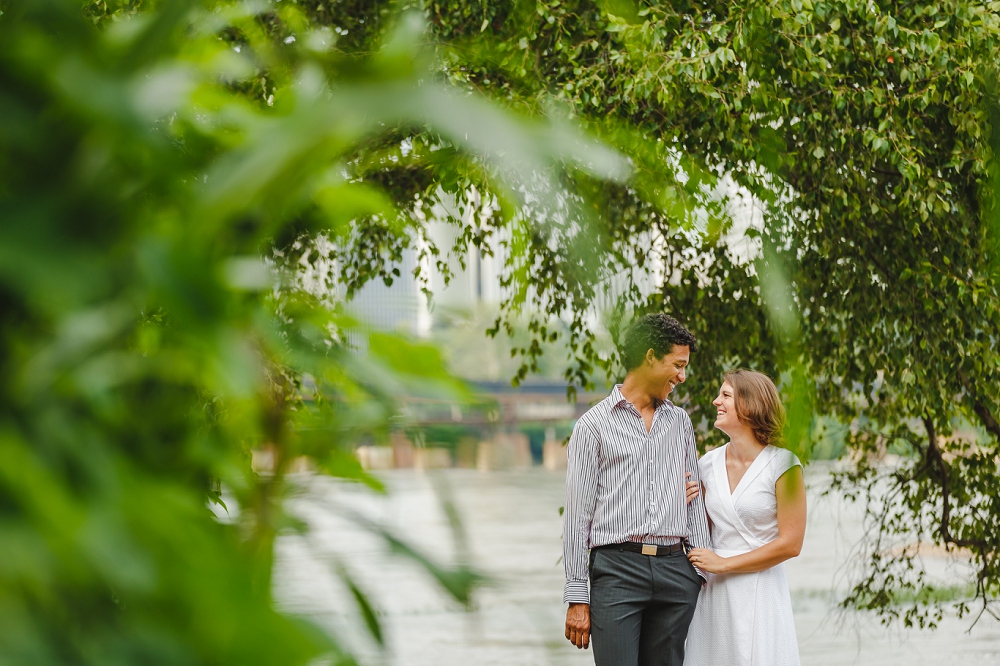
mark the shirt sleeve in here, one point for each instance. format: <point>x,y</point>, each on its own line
<point>697,523</point>
<point>581,501</point>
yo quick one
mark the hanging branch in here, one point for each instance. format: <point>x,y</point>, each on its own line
<point>936,461</point>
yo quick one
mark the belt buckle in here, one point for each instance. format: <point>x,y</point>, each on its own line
<point>648,549</point>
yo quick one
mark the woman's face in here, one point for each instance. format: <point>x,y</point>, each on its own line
<point>726,419</point>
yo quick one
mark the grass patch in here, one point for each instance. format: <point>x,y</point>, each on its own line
<point>931,594</point>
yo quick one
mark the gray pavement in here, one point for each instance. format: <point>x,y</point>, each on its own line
<point>512,527</point>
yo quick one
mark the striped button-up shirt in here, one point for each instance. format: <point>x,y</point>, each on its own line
<point>624,484</point>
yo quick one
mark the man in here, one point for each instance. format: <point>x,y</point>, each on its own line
<point>625,501</point>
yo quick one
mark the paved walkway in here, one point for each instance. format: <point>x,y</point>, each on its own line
<point>513,531</point>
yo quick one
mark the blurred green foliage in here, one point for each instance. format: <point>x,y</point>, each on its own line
<point>152,154</point>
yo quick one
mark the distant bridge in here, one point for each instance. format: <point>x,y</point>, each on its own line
<point>502,404</point>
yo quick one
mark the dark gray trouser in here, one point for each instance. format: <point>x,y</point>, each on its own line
<point>640,607</point>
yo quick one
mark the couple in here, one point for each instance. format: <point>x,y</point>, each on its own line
<point>654,565</point>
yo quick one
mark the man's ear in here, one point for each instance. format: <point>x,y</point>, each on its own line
<point>651,357</point>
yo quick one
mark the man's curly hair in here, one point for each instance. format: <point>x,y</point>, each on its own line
<point>659,332</point>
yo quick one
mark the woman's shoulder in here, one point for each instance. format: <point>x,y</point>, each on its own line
<point>782,460</point>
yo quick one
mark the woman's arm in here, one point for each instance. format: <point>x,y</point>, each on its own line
<point>790,493</point>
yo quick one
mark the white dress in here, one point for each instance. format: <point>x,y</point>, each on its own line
<point>743,619</point>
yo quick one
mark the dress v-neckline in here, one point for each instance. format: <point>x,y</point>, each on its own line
<point>733,492</point>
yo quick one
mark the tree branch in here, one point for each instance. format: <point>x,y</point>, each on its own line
<point>934,456</point>
<point>986,417</point>
<point>982,411</point>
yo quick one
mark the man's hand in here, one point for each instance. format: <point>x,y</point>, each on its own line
<point>578,625</point>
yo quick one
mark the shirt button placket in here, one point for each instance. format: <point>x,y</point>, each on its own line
<point>652,484</point>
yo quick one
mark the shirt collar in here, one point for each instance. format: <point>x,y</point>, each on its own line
<point>618,400</point>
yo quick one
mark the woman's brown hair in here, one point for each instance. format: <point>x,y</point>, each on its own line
<point>757,404</point>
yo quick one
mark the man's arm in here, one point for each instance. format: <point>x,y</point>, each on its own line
<point>697,522</point>
<point>581,501</point>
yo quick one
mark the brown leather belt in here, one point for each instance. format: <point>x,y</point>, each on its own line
<point>645,548</point>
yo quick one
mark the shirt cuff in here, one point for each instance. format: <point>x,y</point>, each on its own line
<point>704,578</point>
<point>576,592</point>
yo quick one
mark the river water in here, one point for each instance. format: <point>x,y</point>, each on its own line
<point>512,529</point>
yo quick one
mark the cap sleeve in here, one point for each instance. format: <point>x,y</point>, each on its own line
<point>784,461</point>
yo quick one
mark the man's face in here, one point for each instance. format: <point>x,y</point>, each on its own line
<point>667,372</point>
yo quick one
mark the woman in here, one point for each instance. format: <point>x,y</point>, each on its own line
<point>756,502</point>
